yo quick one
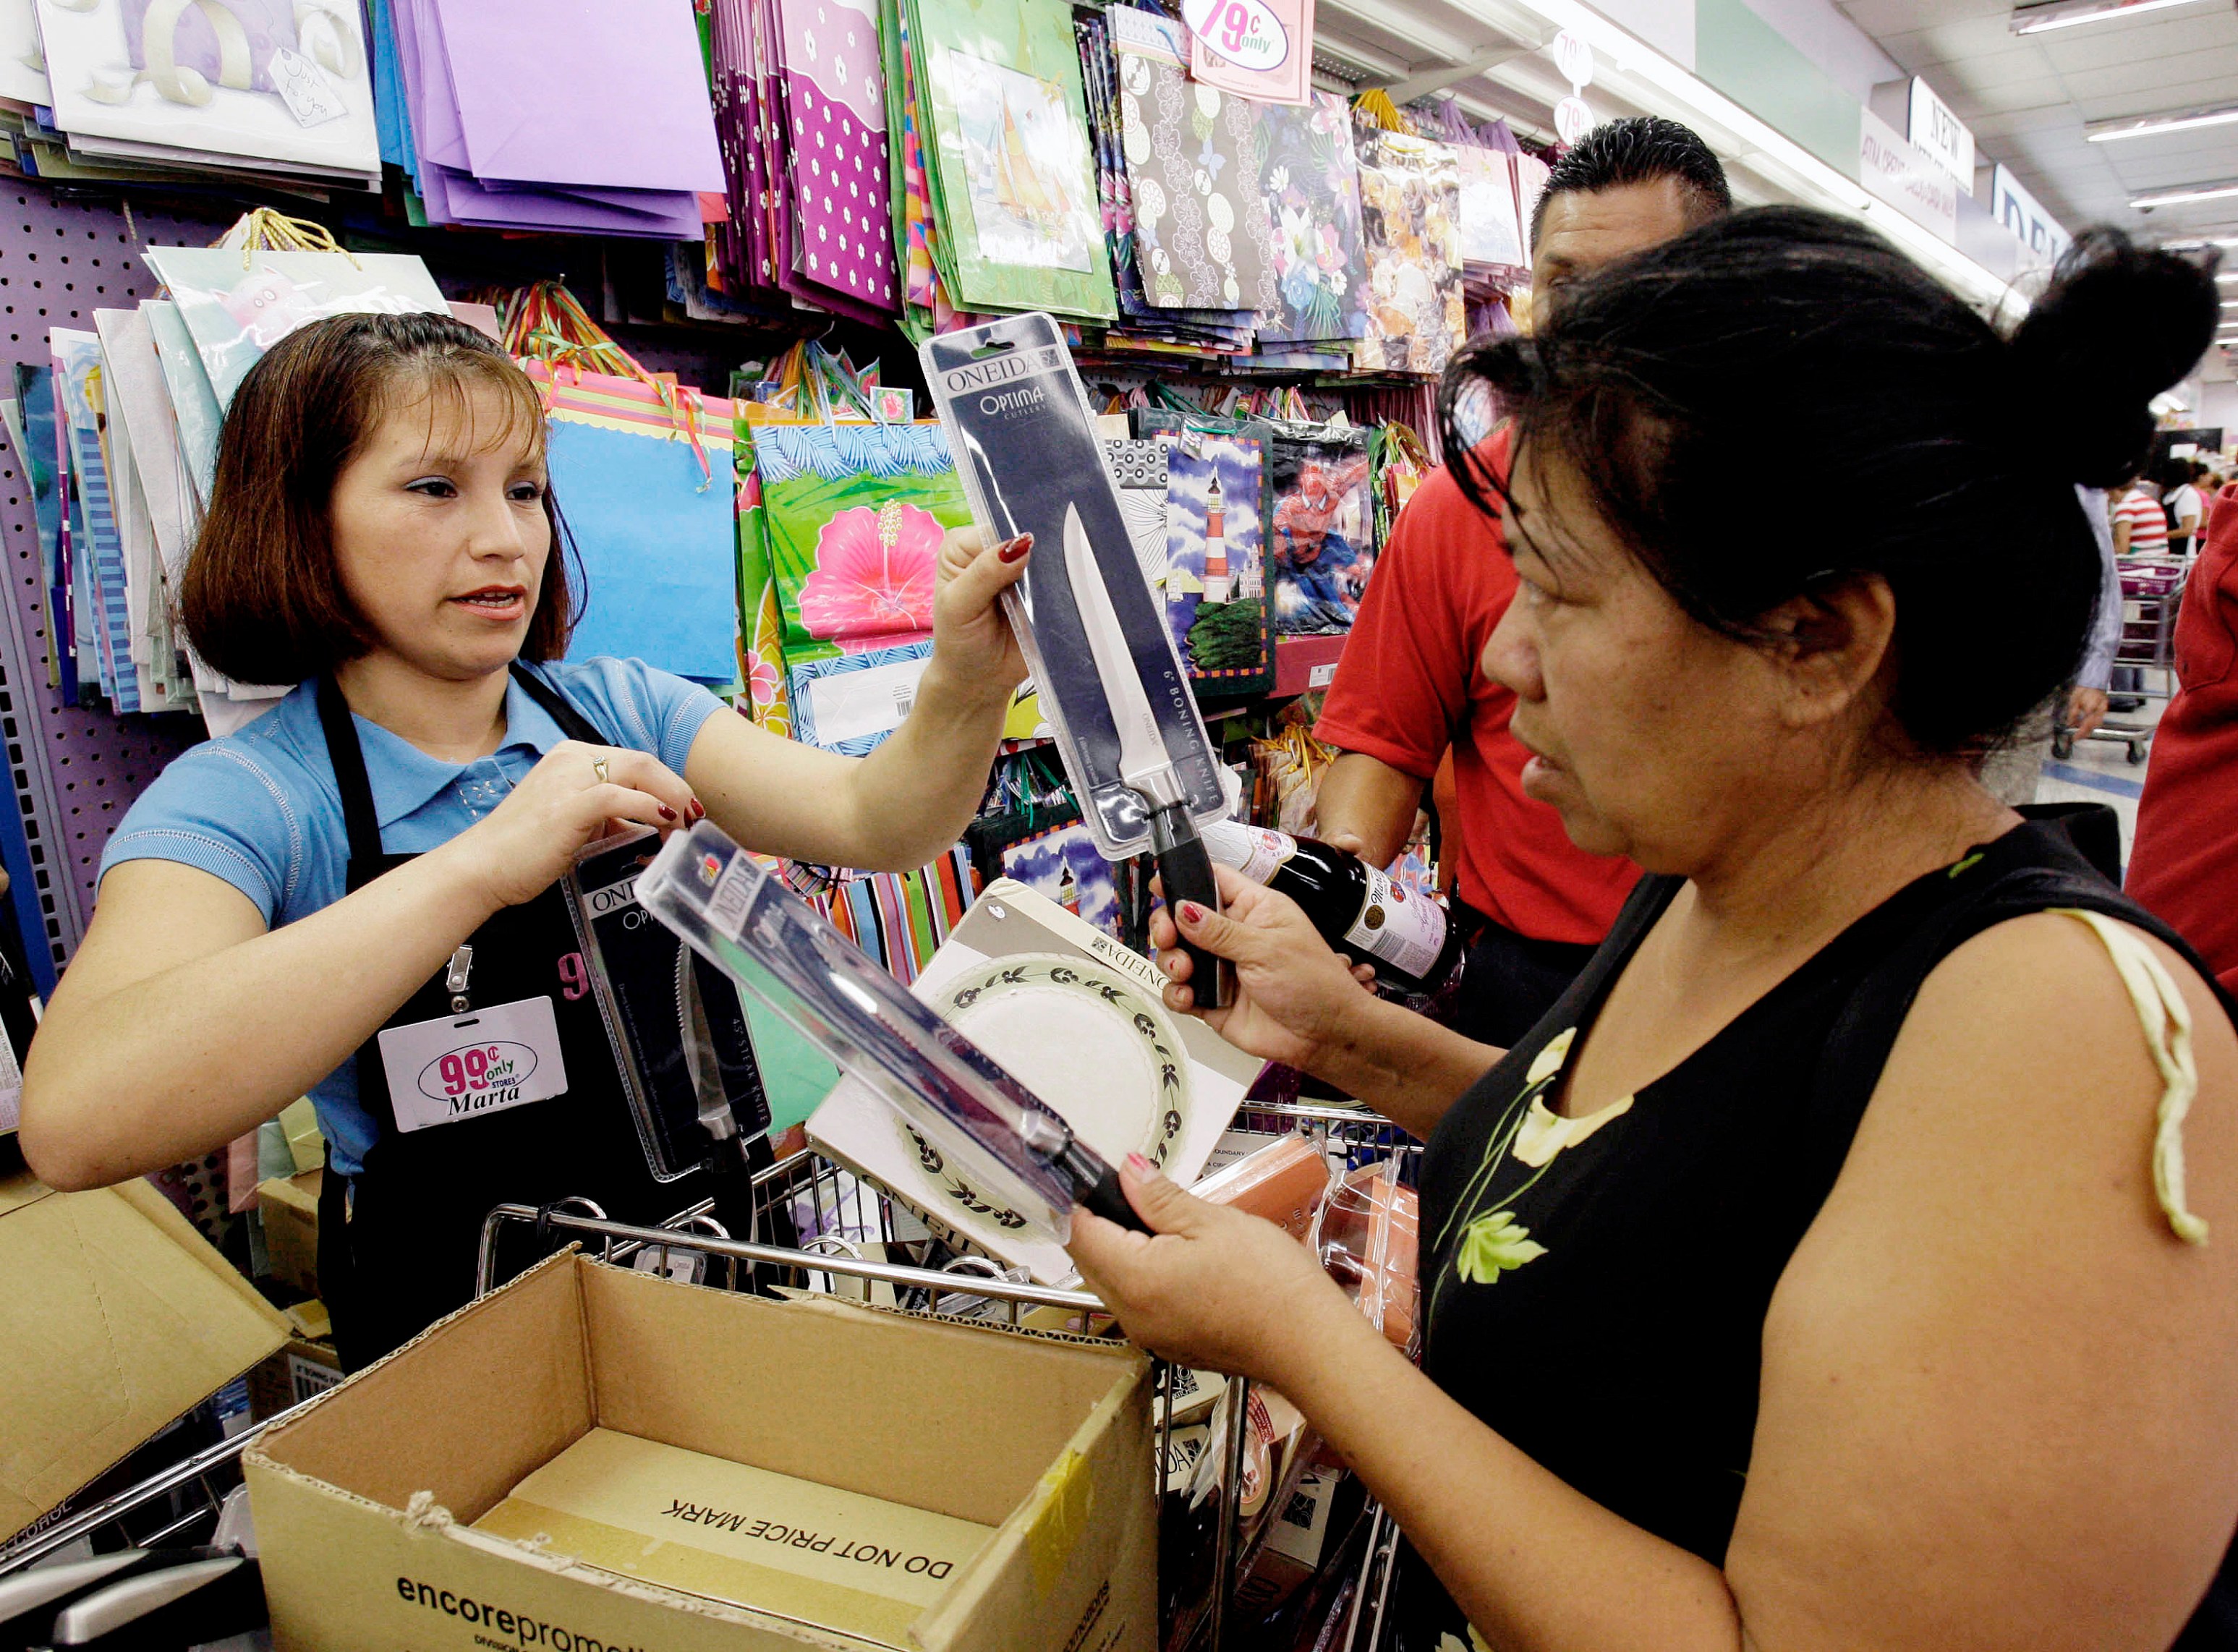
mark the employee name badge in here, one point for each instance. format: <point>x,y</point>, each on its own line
<point>457,1068</point>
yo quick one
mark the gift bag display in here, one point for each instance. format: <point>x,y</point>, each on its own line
<point>261,85</point>
<point>1410,190</point>
<point>1214,580</point>
<point>645,472</point>
<point>1064,864</point>
<point>1011,180</point>
<point>1322,543</point>
<point>854,515</point>
<point>1216,559</point>
<point>764,700</point>
<point>1311,178</point>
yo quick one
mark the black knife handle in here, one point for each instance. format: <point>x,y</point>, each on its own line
<point>1095,1186</point>
<point>1185,872</point>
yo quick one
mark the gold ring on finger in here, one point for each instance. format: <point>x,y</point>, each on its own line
<point>599,768</point>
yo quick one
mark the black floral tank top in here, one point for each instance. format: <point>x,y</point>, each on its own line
<point>1594,1288</point>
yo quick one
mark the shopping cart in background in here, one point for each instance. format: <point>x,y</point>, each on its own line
<point>2152,596</point>
<point>847,1231</point>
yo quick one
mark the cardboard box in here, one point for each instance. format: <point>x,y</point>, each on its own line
<point>117,1317</point>
<point>364,1505</point>
<point>294,1374</point>
<point>289,1207</point>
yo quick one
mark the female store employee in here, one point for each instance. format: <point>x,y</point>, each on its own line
<point>1773,1298</point>
<point>284,906</point>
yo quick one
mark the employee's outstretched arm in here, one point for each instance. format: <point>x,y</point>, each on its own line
<point>911,798</point>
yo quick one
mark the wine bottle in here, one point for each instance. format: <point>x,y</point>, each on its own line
<point>1356,907</point>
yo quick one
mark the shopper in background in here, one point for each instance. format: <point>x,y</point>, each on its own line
<point>2140,524</point>
<point>2185,863</point>
<point>1851,1258</point>
<point>2182,506</point>
<point>1409,686</point>
<point>301,905</point>
<point>2140,530</point>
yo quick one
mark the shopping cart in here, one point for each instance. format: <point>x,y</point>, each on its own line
<point>848,1227</point>
<point>2152,596</point>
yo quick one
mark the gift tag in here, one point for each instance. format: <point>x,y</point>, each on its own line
<point>465,1066</point>
<point>310,96</point>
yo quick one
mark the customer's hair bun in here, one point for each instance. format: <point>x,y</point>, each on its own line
<point>2120,324</point>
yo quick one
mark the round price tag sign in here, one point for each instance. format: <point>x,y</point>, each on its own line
<point>1573,55</point>
<point>1245,32</point>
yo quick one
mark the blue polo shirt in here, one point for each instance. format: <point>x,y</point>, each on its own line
<point>261,808</point>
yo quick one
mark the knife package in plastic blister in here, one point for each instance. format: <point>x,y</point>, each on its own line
<point>678,1030</point>
<point>1025,439</point>
<point>971,1119</point>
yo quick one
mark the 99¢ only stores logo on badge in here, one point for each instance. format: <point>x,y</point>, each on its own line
<point>478,1077</point>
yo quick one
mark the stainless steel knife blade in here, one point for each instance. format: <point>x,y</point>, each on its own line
<point>1144,764</point>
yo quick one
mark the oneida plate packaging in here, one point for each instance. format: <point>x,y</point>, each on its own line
<point>1017,417</point>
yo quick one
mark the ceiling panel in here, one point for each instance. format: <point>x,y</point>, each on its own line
<point>2030,96</point>
<point>1882,18</point>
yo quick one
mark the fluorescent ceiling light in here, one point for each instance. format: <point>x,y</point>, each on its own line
<point>1795,168</point>
<point>2066,16</point>
<point>2151,125</point>
<point>2177,197</point>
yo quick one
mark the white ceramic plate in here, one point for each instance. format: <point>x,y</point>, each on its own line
<point>1088,1041</point>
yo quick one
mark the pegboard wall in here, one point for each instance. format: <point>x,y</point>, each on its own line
<point>75,770</point>
<point>63,255</point>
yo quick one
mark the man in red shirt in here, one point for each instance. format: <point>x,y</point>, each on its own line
<point>1411,684</point>
<point>2185,863</point>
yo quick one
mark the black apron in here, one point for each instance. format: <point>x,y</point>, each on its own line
<point>398,1241</point>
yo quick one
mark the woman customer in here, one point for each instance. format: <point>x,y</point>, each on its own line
<point>302,905</point>
<point>1824,1270</point>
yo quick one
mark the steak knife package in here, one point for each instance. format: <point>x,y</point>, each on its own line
<point>1017,419</point>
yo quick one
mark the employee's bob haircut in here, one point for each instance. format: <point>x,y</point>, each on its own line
<point>262,600</point>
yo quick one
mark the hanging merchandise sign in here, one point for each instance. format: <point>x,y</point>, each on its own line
<point>1573,55</point>
<point>1948,140</point>
<point>1257,48</point>
<point>1907,177</point>
<point>2038,232</point>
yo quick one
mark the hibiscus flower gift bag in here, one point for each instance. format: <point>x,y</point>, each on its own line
<point>853,516</point>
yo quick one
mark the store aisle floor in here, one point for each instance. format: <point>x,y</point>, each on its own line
<point>2100,772</point>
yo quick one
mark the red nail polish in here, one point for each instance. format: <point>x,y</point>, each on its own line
<point>1017,548</point>
<point>666,813</point>
<point>1141,1165</point>
<point>699,809</point>
<point>1192,913</point>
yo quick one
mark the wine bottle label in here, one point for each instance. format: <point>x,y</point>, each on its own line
<point>1405,928</point>
<point>1256,851</point>
<point>1269,850</point>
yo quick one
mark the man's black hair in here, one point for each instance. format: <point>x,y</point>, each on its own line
<point>1640,150</point>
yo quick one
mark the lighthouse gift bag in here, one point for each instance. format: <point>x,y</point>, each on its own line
<point>1214,582</point>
